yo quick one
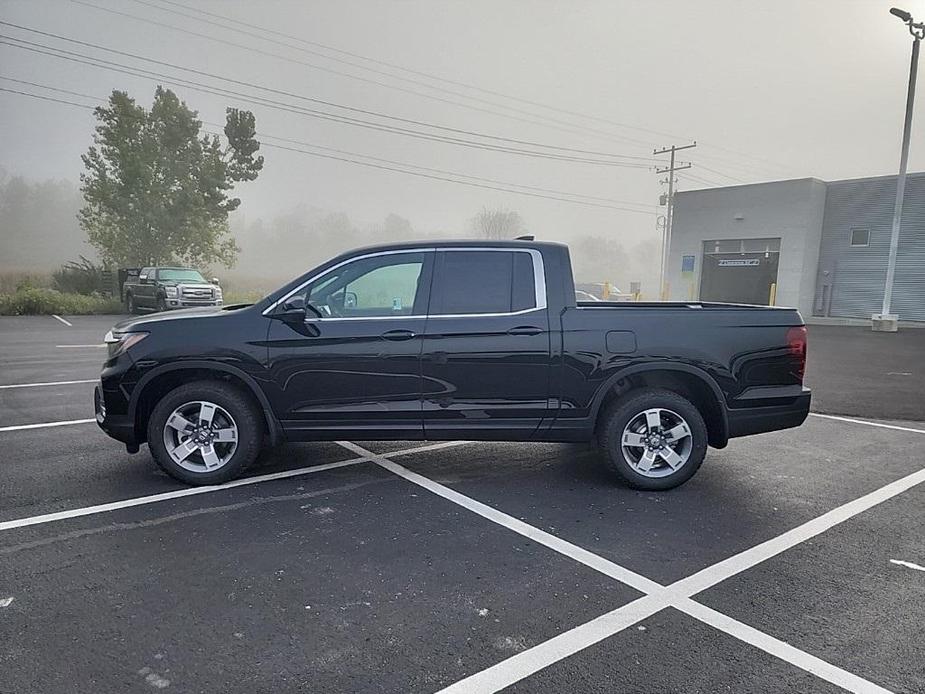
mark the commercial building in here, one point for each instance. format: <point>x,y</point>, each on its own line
<point>819,246</point>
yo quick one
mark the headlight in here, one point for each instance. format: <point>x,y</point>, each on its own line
<point>218,292</point>
<point>171,292</point>
<point>117,343</point>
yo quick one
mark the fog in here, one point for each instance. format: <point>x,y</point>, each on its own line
<point>769,90</point>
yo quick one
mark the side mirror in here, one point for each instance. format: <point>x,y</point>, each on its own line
<point>215,280</point>
<point>296,303</point>
<point>350,300</point>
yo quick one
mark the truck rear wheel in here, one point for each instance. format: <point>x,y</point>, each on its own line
<point>206,432</point>
<point>653,439</point>
<point>130,307</point>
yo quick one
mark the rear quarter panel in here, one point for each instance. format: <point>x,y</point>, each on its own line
<point>738,347</point>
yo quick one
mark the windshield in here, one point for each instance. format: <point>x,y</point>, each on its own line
<point>180,275</point>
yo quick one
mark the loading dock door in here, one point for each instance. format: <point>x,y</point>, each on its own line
<point>743,278</point>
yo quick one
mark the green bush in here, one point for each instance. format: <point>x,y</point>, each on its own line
<point>32,301</point>
<point>83,277</point>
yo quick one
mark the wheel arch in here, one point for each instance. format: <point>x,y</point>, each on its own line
<point>160,380</point>
<point>689,381</point>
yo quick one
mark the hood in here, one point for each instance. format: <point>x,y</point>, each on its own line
<point>144,322</point>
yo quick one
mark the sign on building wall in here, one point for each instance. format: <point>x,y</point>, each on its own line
<point>736,262</point>
<point>687,263</point>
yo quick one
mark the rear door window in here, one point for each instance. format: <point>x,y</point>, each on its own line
<point>482,281</point>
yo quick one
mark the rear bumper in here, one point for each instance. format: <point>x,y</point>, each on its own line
<point>772,414</point>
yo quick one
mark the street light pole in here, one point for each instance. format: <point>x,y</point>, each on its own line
<point>886,321</point>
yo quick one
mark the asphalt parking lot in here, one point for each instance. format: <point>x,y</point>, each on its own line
<point>792,562</point>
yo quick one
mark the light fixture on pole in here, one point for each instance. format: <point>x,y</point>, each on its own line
<point>885,320</point>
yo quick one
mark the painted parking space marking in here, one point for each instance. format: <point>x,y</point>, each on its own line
<point>677,595</point>
<point>865,422</point>
<point>907,564</point>
<point>48,383</point>
<point>725,569</point>
<point>557,544</point>
<point>67,323</point>
<point>94,346</point>
<point>46,425</point>
<point>780,649</point>
<point>195,491</point>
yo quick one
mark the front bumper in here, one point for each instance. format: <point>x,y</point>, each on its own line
<point>185,303</point>
<point>770,414</point>
<point>118,426</point>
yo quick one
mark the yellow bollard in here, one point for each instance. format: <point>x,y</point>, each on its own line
<point>772,297</point>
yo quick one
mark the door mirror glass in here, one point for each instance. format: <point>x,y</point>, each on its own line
<point>294,303</point>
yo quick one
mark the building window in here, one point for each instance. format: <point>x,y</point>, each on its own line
<point>860,238</point>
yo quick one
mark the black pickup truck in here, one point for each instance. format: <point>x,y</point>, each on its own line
<point>167,288</point>
<point>475,340</point>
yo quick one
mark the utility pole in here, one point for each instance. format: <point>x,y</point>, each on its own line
<point>886,321</point>
<point>666,239</point>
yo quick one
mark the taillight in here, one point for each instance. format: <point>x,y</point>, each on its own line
<point>796,343</point>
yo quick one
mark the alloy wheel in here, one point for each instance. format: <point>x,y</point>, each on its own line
<point>200,436</point>
<point>657,442</point>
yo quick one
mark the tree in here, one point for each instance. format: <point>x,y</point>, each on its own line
<point>156,190</point>
<point>498,224</point>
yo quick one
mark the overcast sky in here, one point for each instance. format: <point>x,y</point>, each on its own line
<point>770,89</point>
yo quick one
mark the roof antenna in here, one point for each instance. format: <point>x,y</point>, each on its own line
<point>527,237</point>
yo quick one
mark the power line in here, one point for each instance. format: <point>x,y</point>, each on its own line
<point>393,66</point>
<point>46,98</point>
<point>54,89</point>
<point>323,102</point>
<point>720,173</point>
<point>466,183</point>
<point>282,106</point>
<point>431,76</point>
<point>650,209</point>
<point>313,66</point>
<point>355,154</point>
<point>555,195</point>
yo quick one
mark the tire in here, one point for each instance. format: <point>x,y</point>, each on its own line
<point>130,307</point>
<point>161,303</point>
<point>202,455</point>
<point>651,456</point>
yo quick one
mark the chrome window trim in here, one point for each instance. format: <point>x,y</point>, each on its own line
<point>539,285</point>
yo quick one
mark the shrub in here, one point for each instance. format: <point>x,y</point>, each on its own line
<point>80,277</point>
<point>32,301</point>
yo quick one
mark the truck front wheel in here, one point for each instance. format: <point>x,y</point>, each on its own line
<point>653,439</point>
<point>206,432</point>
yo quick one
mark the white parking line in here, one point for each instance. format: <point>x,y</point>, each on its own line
<point>44,425</point>
<point>780,649</point>
<point>95,346</point>
<point>676,595</point>
<point>62,320</point>
<point>907,564</point>
<point>753,556</point>
<point>870,424</point>
<point>48,383</point>
<point>193,491</point>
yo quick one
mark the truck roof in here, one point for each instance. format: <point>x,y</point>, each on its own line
<point>455,243</point>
